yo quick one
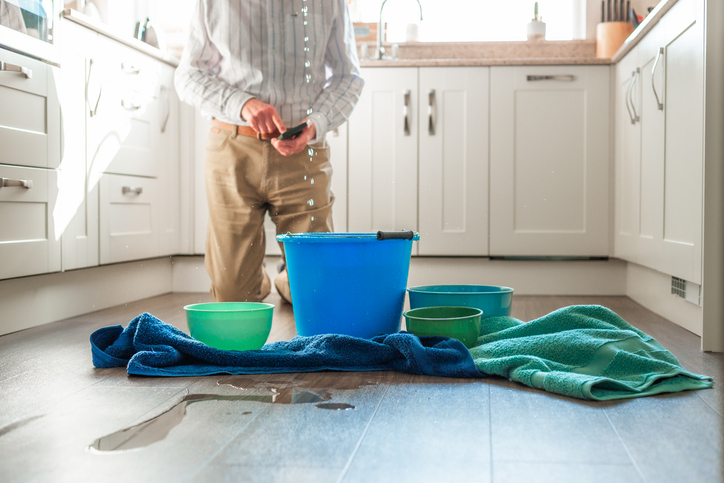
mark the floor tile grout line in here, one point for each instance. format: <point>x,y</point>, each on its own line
<point>490,431</point>
<point>362,437</point>
<point>710,406</point>
<point>631,458</point>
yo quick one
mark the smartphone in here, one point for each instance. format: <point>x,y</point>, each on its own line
<point>290,133</point>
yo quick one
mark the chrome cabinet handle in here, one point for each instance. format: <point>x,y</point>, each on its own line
<point>431,112</point>
<point>93,111</point>
<point>5,67</point>
<point>167,103</point>
<point>636,117</point>
<point>566,78</point>
<point>20,183</point>
<point>137,190</point>
<point>406,112</point>
<point>628,97</point>
<point>130,69</point>
<point>129,106</point>
<point>653,76</point>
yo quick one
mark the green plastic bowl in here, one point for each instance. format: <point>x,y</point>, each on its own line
<point>461,323</point>
<point>238,326</point>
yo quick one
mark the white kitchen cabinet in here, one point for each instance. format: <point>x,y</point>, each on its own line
<point>29,151</point>
<point>28,241</point>
<point>453,161</point>
<point>659,158</point>
<point>549,161</point>
<point>383,136</point>
<point>30,114</point>
<point>129,210</point>
<point>78,191</point>
<point>168,159</point>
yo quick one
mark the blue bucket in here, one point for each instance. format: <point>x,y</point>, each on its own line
<point>347,283</point>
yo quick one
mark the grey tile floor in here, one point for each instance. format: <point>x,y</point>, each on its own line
<point>54,405</point>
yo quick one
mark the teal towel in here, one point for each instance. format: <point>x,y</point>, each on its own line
<point>582,351</point>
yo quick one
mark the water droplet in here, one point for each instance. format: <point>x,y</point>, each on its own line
<point>310,152</point>
<point>310,202</point>
<point>306,49</point>
<point>307,63</point>
<point>305,178</point>
<point>305,22</point>
<point>306,39</point>
<point>309,111</point>
<point>312,218</point>
<point>312,181</point>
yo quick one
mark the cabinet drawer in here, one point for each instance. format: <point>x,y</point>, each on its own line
<point>128,206</point>
<point>122,135</point>
<point>122,66</point>
<point>29,118</point>
<point>28,245</point>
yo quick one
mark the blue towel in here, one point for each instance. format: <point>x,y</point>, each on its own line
<point>151,347</point>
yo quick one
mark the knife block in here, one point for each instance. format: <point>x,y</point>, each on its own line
<point>610,36</point>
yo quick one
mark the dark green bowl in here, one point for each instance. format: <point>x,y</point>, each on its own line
<point>461,323</point>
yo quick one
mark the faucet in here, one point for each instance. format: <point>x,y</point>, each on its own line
<point>380,52</point>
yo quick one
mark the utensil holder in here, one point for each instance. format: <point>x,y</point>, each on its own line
<point>610,36</point>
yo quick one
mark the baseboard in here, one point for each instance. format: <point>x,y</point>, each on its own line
<point>652,289</point>
<point>32,301</point>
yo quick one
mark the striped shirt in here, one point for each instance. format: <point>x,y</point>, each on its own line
<point>297,55</point>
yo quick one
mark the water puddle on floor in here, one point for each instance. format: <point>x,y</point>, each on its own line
<point>284,392</point>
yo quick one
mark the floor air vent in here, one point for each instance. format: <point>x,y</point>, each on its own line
<point>689,291</point>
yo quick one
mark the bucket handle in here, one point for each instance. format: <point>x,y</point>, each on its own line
<point>395,235</point>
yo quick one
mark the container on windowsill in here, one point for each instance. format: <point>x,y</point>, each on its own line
<point>536,27</point>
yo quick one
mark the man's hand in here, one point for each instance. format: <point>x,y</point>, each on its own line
<point>262,117</point>
<point>297,143</point>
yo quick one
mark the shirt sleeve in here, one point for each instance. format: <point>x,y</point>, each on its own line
<point>196,78</point>
<point>344,86</point>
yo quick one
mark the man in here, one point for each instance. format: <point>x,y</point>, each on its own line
<point>257,68</point>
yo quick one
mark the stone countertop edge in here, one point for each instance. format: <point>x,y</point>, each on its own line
<point>486,62</point>
<point>129,41</point>
<point>644,27</point>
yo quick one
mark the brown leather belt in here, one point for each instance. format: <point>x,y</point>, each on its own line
<point>244,130</point>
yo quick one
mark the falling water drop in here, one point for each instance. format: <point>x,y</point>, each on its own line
<point>309,111</point>
<point>312,218</point>
<point>312,181</point>
<point>307,63</point>
<point>310,152</point>
<point>305,177</point>
<point>310,202</point>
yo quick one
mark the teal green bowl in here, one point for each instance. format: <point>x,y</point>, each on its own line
<point>238,326</point>
<point>461,323</point>
<point>493,300</point>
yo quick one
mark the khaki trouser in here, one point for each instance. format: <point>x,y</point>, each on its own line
<point>245,178</point>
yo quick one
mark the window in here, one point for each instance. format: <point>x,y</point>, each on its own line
<point>474,20</point>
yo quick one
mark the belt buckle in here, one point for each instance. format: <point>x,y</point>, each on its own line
<point>260,138</point>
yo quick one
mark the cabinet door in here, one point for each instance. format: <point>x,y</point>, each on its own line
<point>337,141</point>
<point>28,241</point>
<point>549,161</point>
<point>628,159</point>
<point>167,156</point>
<point>30,113</point>
<point>77,215</point>
<point>683,99</point>
<point>383,135</point>
<point>453,161</point>
<point>128,218</point>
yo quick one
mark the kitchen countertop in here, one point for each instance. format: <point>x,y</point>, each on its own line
<point>101,28</point>
<point>575,52</point>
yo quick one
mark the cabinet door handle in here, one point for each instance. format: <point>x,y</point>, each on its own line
<point>431,112</point>
<point>635,117</point>
<point>653,76</point>
<point>406,112</point>
<point>93,111</point>
<point>130,69</point>
<point>5,67</point>
<point>566,78</point>
<point>21,183</point>
<point>167,103</point>
<point>137,190</point>
<point>628,98</point>
<point>129,106</point>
